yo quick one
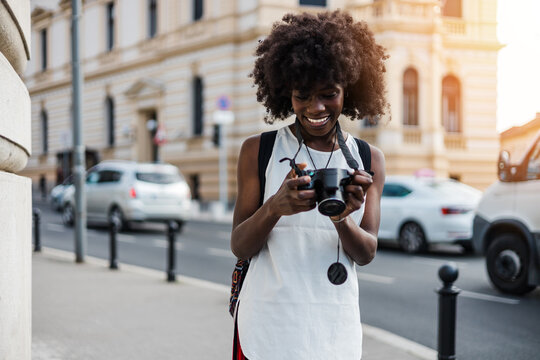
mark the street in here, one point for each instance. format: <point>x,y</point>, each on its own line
<point>397,291</point>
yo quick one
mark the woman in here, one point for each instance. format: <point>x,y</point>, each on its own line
<point>316,67</point>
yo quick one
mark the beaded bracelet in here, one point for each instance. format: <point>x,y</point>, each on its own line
<point>338,221</point>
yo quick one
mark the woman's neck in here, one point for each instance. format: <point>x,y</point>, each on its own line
<point>326,142</point>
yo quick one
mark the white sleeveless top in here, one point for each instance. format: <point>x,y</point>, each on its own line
<point>288,309</point>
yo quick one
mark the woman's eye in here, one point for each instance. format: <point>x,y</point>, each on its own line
<point>301,97</point>
<point>330,95</point>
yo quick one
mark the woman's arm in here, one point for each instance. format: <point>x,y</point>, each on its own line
<point>360,242</point>
<point>251,224</point>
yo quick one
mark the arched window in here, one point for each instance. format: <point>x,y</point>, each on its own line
<point>451,8</point>
<point>410,97</point>
<point>44,132</point>
<point>109,115</point>
<point>451,104</point>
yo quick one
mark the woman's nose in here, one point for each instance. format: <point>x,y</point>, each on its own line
<point>315,105</point>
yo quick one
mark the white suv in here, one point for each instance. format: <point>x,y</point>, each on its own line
<point>507,224</point>
<point>129,191</point>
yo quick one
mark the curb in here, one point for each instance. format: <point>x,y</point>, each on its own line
<point>134,269</point>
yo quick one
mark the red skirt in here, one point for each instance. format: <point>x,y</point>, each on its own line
<point>237,349</point>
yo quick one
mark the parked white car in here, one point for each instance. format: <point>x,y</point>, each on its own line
<point>419,211</point>
<point>127,191</point>
<point>58,192</point>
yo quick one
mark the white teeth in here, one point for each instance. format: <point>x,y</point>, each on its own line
<point>317,121</point>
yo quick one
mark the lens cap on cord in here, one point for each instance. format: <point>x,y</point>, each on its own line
<point>337,274</point>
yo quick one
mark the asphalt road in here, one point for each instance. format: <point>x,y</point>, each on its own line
<point>397,291</point>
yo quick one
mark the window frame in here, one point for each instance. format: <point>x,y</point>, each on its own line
<point>198,106</point>
<point>44,117</point>
<point>198,9</point>
<point>44,48</point>
<point>110,118</point>
<point>110,23</point>
<point>452,8</point>
<point>152,19</point>
<point>410,92</point>
<point>451,96</point>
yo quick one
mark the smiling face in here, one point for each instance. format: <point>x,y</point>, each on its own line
<point>318,109</point>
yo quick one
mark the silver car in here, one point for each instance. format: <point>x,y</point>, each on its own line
<point>127,191</point>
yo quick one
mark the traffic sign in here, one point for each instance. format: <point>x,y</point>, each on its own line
<point>224,102</point>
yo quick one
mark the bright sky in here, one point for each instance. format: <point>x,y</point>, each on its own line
<point>519,62</point>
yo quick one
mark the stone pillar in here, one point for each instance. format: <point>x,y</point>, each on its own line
<point>15,191</point>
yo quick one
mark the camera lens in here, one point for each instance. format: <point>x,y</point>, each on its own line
<point>331,207</point>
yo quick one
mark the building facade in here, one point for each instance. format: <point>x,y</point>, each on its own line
<point>155,69</point>
<point>15,190</point>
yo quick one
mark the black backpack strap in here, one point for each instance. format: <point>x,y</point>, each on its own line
<point>265,151</point>
<point>365,154</point>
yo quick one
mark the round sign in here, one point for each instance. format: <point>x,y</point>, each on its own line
<point>224,103</point>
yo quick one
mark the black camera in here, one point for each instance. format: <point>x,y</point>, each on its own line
<point>329,186</point>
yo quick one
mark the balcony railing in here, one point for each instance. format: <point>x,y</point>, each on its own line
<point>412,135</point>
<point>454,141</point>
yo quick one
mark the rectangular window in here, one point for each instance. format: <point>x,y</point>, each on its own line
<point>109,104</point>
<point>45,132</point>
<point>110,26</point>
<point>152,18</point>
<point>43,35</point>
<point>197,106</point>
<point>198,9</point>
<point>313,2</point>
<point>452,8</point>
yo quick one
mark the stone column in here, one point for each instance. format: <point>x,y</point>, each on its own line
<point>15,191</point>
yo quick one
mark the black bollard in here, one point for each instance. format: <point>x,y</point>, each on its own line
<point>448,273</point>
<point>113,244</point>
<point>36,214</point>
<point>172,229</point>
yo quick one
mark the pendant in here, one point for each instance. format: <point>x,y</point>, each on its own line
<point>337,273</point>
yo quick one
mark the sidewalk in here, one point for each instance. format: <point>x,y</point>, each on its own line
<point>86,311</point>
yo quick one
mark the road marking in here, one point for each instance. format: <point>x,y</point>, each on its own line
<point>126,238</point>
<point>220,252</point>
<point>55,227</point>
<point>165,244</point>
<point>376,278</point>
<point>437,262</point>
<point>486,297</point>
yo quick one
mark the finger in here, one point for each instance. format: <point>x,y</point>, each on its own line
<point>357,191</point>
<point>298,181</point>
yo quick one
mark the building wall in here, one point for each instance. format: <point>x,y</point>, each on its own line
<point>15,199</point>
<point>141,74</point>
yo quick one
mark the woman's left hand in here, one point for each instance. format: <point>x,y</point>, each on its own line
<point>355,193</point>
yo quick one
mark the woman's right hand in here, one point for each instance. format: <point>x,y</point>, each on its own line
<point>288,200</point>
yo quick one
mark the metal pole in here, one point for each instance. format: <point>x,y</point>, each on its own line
<point>37,241</point>
<point>172,228</point>
<point>78,146</point>
<point>448,273</point>
<point>223,181</point>
<point>113,245</point>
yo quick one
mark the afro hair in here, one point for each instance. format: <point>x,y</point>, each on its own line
<point>329,48</point>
